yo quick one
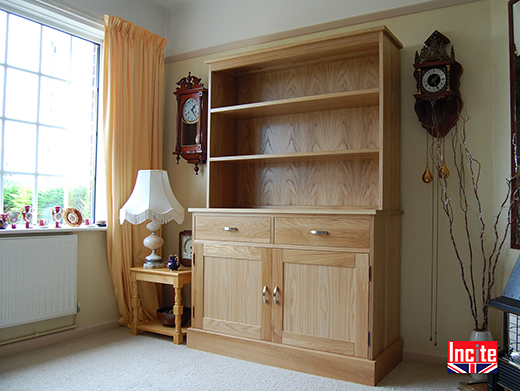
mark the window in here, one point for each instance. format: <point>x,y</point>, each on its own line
<point>49,83</point>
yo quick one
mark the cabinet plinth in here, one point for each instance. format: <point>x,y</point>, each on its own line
<point>297,255</point>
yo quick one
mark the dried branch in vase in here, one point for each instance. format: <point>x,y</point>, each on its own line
<point>468,189</point>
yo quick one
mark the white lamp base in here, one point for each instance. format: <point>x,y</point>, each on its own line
<point>153,242</point>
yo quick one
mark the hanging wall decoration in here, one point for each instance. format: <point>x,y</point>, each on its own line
<point>438,105</point>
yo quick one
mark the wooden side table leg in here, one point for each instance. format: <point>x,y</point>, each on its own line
<point>178,310</point>
<point>136,305</point>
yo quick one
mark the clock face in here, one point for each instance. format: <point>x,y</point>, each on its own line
<point>186,247</point>
<point>190,111</point>
<point>434,80</point>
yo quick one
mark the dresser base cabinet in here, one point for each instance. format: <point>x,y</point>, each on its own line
<point>309,291</point>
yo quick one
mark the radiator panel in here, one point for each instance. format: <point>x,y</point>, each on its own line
<point>38,278</point>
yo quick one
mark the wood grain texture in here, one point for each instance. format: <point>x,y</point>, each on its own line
<point>231,328</point>
<point>232,291</point>
<point>243,228</point>
<point>348,182</point>
<point>317,79</point>
<point>310,132</point>
<point>304,104</point>
<point>342,232</point>
<point>321,301</point>
<point>316,362</point>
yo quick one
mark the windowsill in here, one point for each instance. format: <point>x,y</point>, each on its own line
<point>21,230</point>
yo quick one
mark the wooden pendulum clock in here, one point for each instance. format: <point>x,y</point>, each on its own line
<point>192,121</point>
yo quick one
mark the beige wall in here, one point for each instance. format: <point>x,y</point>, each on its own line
<point>478,32</point>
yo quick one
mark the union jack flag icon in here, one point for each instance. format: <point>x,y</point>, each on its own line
<point>472,368</point>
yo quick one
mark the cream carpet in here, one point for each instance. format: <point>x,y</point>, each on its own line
<point>115,360</point>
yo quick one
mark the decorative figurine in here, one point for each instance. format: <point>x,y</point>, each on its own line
<point>27,215</point>
<point>13,219</point>
<point>57,216</point>
<point>4,218</point>
<point>174,263</point>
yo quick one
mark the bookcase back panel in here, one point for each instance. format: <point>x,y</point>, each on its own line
<point>308,80</point>
<point>309,132</point>
<point>348,182</point>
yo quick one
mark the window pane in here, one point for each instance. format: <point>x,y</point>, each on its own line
<point>18,191</point>
<point>50,151</point>
<point>84,83</point>
<point>23,45</point>
<point>54,102</point>
<point>19,147</point>
<point>21,96</point>
<point>3,32</point>
<point>49,104</point>
<point>55,53</point>
<point>79,197</point>
<point>50,194</point>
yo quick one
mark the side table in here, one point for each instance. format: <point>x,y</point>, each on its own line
<point>175,278</point>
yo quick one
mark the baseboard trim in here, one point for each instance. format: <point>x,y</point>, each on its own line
<point>50,339</point>
<point>424,357</point>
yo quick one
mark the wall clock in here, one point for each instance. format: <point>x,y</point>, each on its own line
<point>192,116</point>
<point>438,102</point>
<point>185,248</point>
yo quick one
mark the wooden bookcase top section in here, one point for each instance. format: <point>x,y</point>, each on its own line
<point>360,43</point>
<point>312,124</point>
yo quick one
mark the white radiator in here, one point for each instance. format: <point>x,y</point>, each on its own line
<point>38,278</point>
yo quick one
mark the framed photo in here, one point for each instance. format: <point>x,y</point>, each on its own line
<point>185,248</point>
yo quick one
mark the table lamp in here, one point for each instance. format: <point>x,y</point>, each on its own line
<point>152,199</point>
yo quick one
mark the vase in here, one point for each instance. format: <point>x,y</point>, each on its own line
<point>484,335</point>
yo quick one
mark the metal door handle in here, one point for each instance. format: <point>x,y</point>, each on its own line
<point>230,229</point>
<point>316,232</point>
<point>275,292</point>
<point>264,291</point>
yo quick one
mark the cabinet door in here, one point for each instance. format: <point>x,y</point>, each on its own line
<point>233,281</point>
<point>322,300</point>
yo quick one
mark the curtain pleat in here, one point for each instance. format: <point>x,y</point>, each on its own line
<point>133,74</point>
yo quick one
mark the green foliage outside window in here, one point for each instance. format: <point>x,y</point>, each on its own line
<point>17,195</point>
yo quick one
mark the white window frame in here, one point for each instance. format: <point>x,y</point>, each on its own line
<point>84,25</point>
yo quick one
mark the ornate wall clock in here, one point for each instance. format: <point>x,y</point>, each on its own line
<point>192,119</point>
<point>438,101</point>
<point>438,104</point>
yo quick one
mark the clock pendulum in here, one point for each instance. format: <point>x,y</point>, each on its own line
<point>438,104</point>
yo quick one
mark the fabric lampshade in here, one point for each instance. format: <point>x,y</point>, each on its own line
<point>152,199</point>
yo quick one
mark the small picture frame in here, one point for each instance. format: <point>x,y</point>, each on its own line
<point>185,248</point>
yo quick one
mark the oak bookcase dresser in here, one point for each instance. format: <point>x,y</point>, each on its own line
<point>297,256</point>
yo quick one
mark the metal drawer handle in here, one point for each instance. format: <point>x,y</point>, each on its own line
<point>264,291</point>
<point>230,229</point>
<point>315,232</point>
<point>275,292</point>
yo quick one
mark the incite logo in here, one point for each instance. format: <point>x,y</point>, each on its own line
<point>472,356</point>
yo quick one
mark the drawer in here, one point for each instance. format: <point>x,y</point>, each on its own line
<point>350,232</point>
<point>256,229</point>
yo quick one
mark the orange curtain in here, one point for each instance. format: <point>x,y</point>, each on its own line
<point>133,73</point>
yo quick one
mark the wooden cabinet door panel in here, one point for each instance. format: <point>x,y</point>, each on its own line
<point>233,290</point>
<point>323,307</point>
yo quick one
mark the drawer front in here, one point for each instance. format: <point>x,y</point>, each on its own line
<point>254,229</point>
<point>349,232</point>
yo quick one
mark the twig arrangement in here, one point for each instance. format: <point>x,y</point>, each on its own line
<point>469,191</point>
